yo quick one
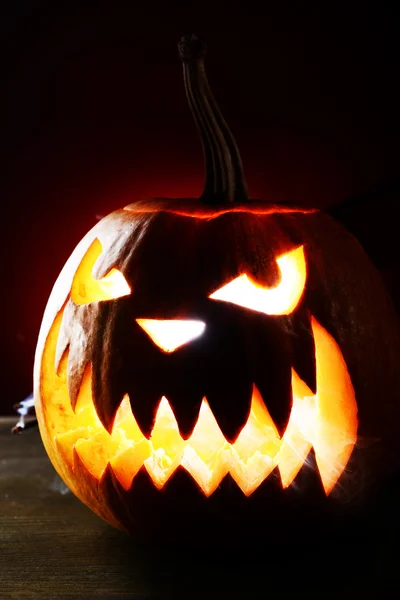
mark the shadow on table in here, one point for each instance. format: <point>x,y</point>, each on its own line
<point>361,565</point>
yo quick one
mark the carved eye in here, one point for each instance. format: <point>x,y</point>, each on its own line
<point>280,300</point>
<point>86,289</point>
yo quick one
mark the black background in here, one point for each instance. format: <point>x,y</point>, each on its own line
<point>96,117</point>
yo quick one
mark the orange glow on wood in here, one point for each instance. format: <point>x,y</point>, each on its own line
<point>280,300</point>
<point>326,422</point>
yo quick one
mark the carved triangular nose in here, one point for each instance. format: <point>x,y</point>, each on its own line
<point>170,334</point>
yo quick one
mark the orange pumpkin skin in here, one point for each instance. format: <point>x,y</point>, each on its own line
<point>174,253</point>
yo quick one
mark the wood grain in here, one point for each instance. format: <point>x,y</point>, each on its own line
<point>52,547</point>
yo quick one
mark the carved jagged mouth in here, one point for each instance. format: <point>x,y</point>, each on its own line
<point>326,422</point>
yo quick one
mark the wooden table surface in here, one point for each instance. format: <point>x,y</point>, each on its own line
<point>52,546</point>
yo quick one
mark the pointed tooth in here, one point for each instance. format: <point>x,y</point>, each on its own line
<point>97,451</point>
<point>183,384</point>
<point>271,367</point>
<point>293,453</point>
<point>61,348</point>
<point>107,407</point>
<point>259,434</point>
<point>186,407</point>
<point>337,409</point>
<point>144,404</point>
<point>303,350</point>
<point>134,457</point>
<point>76,370</point>
<point>230,402</point>
<point>225,369</point>
<point>276,392</point>
<point>66,441</point>
<point>63,340</point>
<point>112,491</point>
<point>75,339</point>
<point>305,369</point>
<point>107,392</point>
<point>87,485</point>
<point>167,445</point>
<point>307,479</point>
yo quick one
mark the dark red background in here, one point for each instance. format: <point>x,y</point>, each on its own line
<point>97,117</point>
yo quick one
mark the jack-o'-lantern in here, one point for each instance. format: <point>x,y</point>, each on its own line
<point>210,356</point>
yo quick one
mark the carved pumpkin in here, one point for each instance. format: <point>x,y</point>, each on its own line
<point>209,357</point>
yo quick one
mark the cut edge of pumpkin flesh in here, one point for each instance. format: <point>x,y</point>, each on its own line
<point>326,422</point>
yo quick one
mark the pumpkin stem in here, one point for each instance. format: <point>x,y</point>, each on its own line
<point>224,181</point>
